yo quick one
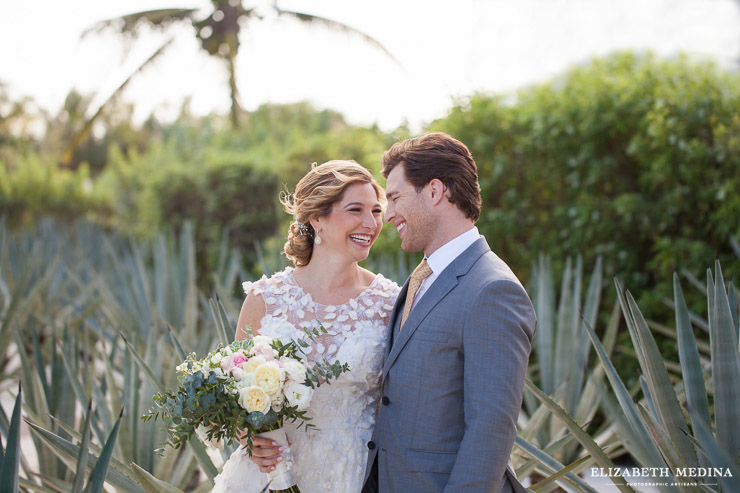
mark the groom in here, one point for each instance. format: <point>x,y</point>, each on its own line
<point>460,335</point>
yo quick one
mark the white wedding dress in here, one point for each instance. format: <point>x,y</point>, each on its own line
<point>332,457</point>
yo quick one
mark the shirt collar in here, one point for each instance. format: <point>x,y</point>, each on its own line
<point>444,255</point>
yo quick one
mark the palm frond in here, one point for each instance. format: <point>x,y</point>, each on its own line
<point>131,24</point>
<point>84,132</point>
<point>337,26</point>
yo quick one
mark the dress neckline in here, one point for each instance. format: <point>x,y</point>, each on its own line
<point>294,282</point>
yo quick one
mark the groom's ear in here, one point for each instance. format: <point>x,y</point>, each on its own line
<point>436,191</point>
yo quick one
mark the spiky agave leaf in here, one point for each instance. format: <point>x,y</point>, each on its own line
<point>664,397</point>
<point>725,369</point>
<point>583,438</point>
<point>552,465</point>
<point>150,483</point>
<point>688,354</point>
<point>118,476</point>
<point>641,447</point>
<point>82,457</point>
<point>10,459</point>
<point>99,472</point>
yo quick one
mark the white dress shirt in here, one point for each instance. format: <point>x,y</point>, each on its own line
<point>443,256</point>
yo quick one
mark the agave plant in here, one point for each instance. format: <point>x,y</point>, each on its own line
<point>91,313</point>
<point>10,454</point>
<point>551,438</point>
<point>656,430</point>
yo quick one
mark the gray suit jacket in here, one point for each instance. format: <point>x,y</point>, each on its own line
<point>453,381</point>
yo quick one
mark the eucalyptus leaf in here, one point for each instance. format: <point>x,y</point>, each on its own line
<point>259,420</point>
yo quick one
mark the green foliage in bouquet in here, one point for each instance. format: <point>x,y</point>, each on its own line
<point>224,398</point>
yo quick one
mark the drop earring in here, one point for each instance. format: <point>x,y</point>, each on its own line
<point>318,239</point>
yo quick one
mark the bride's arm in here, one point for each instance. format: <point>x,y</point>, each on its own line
<point>265,452</point>
<point>252,312</point>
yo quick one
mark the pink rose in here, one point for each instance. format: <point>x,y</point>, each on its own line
<point>235,360</point>
<point>238,359</point>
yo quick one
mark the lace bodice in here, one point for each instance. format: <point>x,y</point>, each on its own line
<point>333,456</point>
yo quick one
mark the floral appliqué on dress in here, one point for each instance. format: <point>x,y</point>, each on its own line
<point>332,457</point>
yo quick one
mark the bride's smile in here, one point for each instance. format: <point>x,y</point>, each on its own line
<point>353,224</point>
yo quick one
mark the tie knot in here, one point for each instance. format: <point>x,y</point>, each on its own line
<point>422,271</point>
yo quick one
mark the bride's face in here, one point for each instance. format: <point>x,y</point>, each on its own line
<point>353,224</point>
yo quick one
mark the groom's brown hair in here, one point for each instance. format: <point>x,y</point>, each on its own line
<point>438,155</point>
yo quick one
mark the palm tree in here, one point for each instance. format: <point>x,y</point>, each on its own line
<point>218,33</point>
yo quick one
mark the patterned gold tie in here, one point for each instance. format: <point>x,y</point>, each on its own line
<point>417,278</point>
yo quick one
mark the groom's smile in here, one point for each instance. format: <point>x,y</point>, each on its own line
<point>406,211</point>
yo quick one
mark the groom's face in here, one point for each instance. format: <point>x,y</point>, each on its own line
<point>408,212</point>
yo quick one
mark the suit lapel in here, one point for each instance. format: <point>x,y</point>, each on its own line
<point>444,283</point>
<point>396,317</point>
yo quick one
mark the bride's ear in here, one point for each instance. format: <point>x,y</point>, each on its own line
<point>315,222</point>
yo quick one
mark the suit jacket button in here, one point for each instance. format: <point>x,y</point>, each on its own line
<point>386,400</point>
<point>371,445</point>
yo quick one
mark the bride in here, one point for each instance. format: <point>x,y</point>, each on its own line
<point>337,208</point>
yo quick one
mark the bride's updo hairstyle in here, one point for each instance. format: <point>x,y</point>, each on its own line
<point>315,195</point>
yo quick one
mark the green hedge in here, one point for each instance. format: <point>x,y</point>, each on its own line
<point>36,188</point>
<point>223,179</point>
<point>629,157</point>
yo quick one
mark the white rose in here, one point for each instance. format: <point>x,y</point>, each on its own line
<point>277,402</point>
<point>247,381</point>
<point>216,358</point>
<point>252,363</point>
<point>270,377</point>
<point>298,394</point>
<point>264,350</point>
<point>261,340</point>
<point>227,351</point>
<point>294,369</point>
<point>254,399</point>
<point>238,374</point>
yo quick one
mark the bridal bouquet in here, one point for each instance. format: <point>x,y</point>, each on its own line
<point>247,388</point>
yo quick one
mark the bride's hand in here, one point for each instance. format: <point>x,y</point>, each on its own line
<point>265,453</point>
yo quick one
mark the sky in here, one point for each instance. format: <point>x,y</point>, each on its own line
<point>447,49</point>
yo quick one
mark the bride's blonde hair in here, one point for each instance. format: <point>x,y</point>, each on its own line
<point>322,187</point>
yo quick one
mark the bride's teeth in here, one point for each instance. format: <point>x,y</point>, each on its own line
<point>364,239</point>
